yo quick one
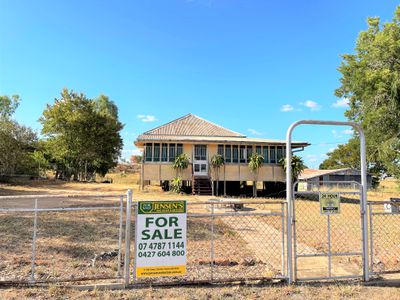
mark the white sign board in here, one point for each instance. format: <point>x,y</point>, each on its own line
<point>160,238</point>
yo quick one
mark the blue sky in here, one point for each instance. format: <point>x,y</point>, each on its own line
<point>251,66</point>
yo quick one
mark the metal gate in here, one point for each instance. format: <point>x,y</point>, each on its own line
<point>332,252</point>
<point>327,246</point>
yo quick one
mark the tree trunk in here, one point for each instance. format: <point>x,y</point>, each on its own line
<point>254,189</point>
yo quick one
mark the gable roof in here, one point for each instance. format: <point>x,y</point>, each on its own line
<point>192,125</point>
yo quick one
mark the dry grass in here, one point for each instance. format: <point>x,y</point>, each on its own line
<point>67,243</point>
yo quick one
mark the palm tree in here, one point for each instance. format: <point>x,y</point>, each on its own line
<point>255,163</point>
<point>298,166</point>
<point>181,163</point>
<point>217,161</point>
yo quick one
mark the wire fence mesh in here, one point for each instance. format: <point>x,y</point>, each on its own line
<point>328,245</point>
<point>229,244</point>
<point>384,237</point>
<point>60,238</point>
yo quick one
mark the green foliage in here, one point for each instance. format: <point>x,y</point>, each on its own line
<point>181,162</point>
<point>297,165</point>
<point>344,156</point>
<point>217,161</point>
<point>176,185</point>
<point>8,106</point>
<point>17,142</point>
<point>255,163</point>
<point>371,81</point>
<point>82,135</point>
<point>136,159</point>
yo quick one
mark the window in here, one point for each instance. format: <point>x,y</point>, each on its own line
<point>228,153</point>
<point>249,152</point>
<point>171,152</point>
<point>221,150</point>
<point>164,152</point>
<point>179,149</point>
<point>272,154</point>
<point>258,150</point>
<point>200,152</point>
<point>265,154</point>
<point>280,153</point>
<point>156,156</point>
<point>149,151</point>
<point>235,156</point>
<point>242,154</point>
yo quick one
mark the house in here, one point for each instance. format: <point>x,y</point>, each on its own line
<point>200,140</point>
<point>311,177</point>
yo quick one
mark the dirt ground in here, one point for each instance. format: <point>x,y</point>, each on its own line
<point>121,183</point>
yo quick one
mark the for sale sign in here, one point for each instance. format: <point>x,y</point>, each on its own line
<point>329,203</point>
<point>160,238</point>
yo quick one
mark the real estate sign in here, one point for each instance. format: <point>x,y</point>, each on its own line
<point>329,203</point>
<point>160,238</point>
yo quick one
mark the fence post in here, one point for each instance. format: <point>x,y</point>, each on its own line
<point>121,212</point>
<point>128,238</point>
<point>212,243</point>
<point>34,241</point>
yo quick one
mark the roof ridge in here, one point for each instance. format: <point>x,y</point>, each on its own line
<point>151,131</point>
<point>217,125</point>
<point>177,119</point>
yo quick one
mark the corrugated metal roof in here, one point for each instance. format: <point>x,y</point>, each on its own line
<point>212,139</point>
<point>312,173</point>
<point>191,128</point>
<point>192,125</point>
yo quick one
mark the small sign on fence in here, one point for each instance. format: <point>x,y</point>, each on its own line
<point>160,238</point>
<point>329,203</point>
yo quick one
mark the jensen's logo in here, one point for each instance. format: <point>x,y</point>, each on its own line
<point>147,207</point>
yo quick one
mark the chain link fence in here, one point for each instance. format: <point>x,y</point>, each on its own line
<point>384,236</point>
<point>327,246</point>
<point>231,241</point>
<point>60,238</point>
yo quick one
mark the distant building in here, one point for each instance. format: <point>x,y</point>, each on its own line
<point>314,177</point>
<point>200,140</point>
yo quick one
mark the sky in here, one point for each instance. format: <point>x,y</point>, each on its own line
<point>251,66</point>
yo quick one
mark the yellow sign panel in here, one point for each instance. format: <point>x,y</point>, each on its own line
<point>160,271</point>
<point>329,203</point>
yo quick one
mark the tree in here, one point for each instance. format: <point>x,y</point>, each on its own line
<point>217,161</point>
<point>17,142</point>
<point>255,163</point>
<point>181,163</point>
<point>83,135</point>
<point>8,106</point>
<point>344,156</point>
<point>348,156</point>
<point>297,165</point>
<point>371,82</point>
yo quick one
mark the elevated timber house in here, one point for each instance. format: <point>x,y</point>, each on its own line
<point>200,140</point>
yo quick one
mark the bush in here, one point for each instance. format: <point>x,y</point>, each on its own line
<point>176,185</point>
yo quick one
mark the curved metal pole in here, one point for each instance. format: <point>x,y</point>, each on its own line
<point>289,190</point>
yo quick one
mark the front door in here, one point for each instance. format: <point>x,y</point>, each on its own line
<point>200,163</point>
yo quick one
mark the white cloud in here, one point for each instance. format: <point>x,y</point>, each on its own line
<point>254,132</point>
<point>312,105</point>
<point>341,103</point>
<point>336,134</point>
<point>287,108</point>
<point>347,131</point>
<point>147,118</point>
<point>312,158</point>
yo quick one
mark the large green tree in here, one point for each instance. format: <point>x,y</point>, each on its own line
<point>82,135</point>
<point>17,142</point>
<point>371,82</point>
